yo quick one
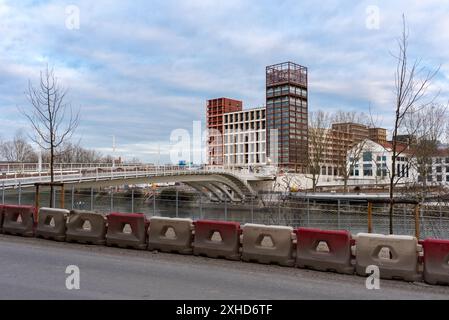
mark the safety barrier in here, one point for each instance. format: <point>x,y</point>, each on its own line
<point>268,244</point>
<point>126,230</point>
<point>217,239</point>
<point>86,227</point>
<point>51,223</point>
<point>170,235</point>
<point>324,250</point>
<point>19,220</point>
<point>436,261</point>
<point>396,256</point>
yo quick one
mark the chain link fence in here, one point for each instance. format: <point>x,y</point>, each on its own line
<point>267,208</point>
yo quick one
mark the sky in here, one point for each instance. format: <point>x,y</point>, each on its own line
<point>140,70</point>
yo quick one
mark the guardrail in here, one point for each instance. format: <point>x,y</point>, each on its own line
<point>396,257</point>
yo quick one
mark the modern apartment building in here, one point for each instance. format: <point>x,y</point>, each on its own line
<point>333,151</point>
<point>244,138</point>
<point>359,131</point>
<point>378,135</point>
<point>287,114</point>
<point>362,132</point>
<point>215,110</point>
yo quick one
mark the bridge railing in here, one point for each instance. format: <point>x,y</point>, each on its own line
<point>71,172</point>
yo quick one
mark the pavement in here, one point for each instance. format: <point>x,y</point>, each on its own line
<point>36,269</point>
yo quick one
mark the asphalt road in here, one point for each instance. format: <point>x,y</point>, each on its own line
<point>35,269</point>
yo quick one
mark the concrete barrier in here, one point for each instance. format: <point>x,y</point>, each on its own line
<point>396,256</point>
<point>436,261</point>
<point>217,239</point>
<point>170,235</point>
<point>268,244</point>
<point>51,223</point>
<point>19,220</point>
<point>86,227</point>
<point>324,250</point>
<point>126,230</point>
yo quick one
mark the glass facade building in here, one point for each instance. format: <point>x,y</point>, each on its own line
<point>287,115</point>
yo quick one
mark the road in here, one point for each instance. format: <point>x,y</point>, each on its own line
<point>35,269</point>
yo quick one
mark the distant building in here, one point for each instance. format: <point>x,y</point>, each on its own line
<point>287,112</point>
<point>333,157</point>
<point>406,138</point>
<point>244,138</point>
<point>374,162</point>
<point>216,108</point>
<point>359,131</point>
<point>378,135</point>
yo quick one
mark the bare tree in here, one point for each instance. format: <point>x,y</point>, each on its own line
<point>346,168</point>
<point>51,117</point>
<point>341,116</point>
<point>427,126</point>
<point>319,138</point>
<point>351,152</point>
<point>18,149</point>
<point>411,85</point>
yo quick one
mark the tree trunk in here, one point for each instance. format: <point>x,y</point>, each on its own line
<point>52,155</point>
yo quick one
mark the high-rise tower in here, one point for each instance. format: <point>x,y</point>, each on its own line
<point>287,114</point>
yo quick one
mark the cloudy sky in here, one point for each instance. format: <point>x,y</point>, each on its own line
<point>140,69</point>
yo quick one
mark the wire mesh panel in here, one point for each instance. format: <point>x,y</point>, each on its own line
<point>268,208</point>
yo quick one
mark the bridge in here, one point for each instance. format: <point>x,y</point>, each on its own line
<point>218,183</point>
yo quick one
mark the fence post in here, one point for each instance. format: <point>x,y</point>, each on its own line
<point>279,211</point>
<point>338,214</point>
<point>404,217</point>
<point>417,231</point>
<point>20,193</point>
<point>36,197</point>
<point>132,200</point>
<point>308,212</point>
<point>226,207</point>
<point>441,221</point>
<point>154,202</point>
<point>370,217</point>
<point>252,209</point>
<point>54,198</point>
<point>91,198</point>
<point>201,205</point>
<point>62,199</point>
<point>3,192</point>
<point>177,202</point>
<point>73,196</point>
<point>112,199</point>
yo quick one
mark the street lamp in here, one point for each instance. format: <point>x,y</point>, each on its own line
<point>113,151</point>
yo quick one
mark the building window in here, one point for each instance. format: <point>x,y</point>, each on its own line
<point>367,156</point>
<point>439,178</point>
<point>439,169</point>
<point>367,169</point>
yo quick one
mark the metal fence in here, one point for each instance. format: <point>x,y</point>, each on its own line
<point>277,209</point>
